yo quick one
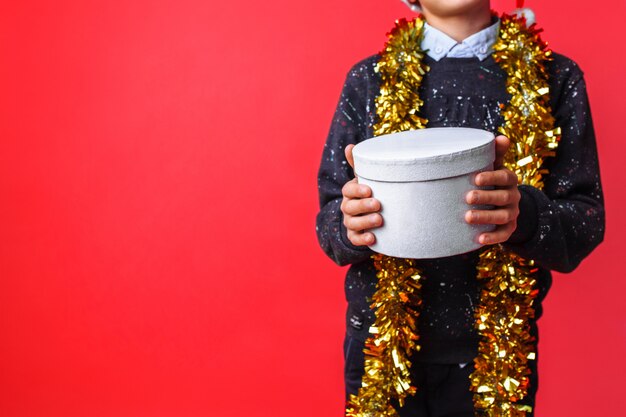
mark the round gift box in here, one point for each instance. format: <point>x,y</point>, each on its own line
<point>421,178</point>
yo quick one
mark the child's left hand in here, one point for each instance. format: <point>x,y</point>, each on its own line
<point>505,197</point>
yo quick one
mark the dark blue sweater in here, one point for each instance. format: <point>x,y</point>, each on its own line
<point>557,227</point>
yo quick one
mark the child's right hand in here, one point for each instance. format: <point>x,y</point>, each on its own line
<point>359,208</point>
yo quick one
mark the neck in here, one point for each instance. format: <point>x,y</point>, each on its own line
<point>461,26</point>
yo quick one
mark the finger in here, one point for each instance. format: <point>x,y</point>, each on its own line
<point>500,234</point>
<point>361,238</point>
<point>355,207</point>
<point>501,197</point>
<point>502,146</point>
<point>500,178</point>
<point>497,216</point>
<point>359,223</point>
<point>352,189</point>
<point>349,157</point>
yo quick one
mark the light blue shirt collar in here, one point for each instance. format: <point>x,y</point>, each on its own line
<point>438,45</point>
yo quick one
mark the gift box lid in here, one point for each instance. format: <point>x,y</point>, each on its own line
<point>424,154</point>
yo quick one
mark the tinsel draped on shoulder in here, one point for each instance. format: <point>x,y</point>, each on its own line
<point>397,299</point>
<point>401,70</point>
<point>500,379</point>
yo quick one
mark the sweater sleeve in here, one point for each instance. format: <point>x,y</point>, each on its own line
<point>560,225</point>
<point>348,127</point>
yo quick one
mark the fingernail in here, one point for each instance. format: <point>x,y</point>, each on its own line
<point>484,240</point>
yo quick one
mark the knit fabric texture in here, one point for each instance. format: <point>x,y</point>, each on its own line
<point>557,227</point>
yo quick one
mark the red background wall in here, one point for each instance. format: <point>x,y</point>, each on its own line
<point>157,186</point>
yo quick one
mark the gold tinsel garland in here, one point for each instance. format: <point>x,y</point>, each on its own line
<point>500,379</point>
<point>401,69</point>
<point>397,298</point>
<point>387,364</point>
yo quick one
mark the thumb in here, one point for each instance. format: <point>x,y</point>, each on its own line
<point>349,156</point>
<point>502,145</point>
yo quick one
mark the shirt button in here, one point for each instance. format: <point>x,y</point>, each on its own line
<point>483,50</point>
<point>439,49</point>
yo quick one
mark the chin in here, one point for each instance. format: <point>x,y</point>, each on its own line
<point>448,8</point>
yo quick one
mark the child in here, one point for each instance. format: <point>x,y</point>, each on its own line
<point>556,221</point>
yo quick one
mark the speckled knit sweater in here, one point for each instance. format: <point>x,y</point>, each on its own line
<point>557,227</point>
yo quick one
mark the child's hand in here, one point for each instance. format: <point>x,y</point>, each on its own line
<point>359,209</point>
<point>505,197</point>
